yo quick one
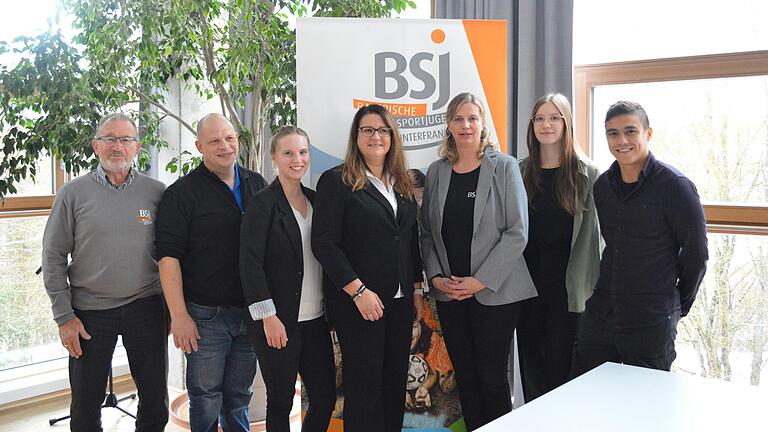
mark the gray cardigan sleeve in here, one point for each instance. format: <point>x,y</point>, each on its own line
<point>58,243</point>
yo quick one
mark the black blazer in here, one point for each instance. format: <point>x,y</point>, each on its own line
<point>271,257</point>
<point>356,235</point>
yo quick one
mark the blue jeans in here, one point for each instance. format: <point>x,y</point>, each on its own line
<point>221,371</point>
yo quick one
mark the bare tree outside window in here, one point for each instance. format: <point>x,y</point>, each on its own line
<point>26,332</point>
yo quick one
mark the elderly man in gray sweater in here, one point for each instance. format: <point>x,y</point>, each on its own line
<point>101,275</point>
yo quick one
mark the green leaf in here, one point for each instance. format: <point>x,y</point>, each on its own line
<point>54,96</point>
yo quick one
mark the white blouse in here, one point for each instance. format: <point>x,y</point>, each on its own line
<point>311,303</point>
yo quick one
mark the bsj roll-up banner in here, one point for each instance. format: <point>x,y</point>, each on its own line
<point>413,68</point>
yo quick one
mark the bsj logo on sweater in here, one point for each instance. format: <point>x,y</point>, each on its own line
<point>144,217</point>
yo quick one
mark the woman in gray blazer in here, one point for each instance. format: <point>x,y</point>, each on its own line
<point>563,252</point>
<point>474,231</point>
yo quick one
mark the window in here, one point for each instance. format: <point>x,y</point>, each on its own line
<point>729,87</point>
<point>423,10</point>
<point>35,195</point>
<point>714,130</point>
<point>710,119</point>
<point>32,360</point>
<point>27,332</point>
<point>725,335</point>
<point>43,183</point>
<point>622,30</point>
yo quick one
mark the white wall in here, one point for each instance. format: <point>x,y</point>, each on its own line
<point>191,108</point>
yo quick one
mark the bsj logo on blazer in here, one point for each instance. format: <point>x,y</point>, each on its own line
<point>471,194</point>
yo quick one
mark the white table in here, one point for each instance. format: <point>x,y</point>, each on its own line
<point>621,398</point>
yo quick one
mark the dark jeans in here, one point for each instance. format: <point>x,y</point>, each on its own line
<point>142,325</point>
<point>374,368</point>
<point>220,373</point>
<point>478,339</point>
<point>308,352</point>
<point>546,340</point>
<point>599,341</point>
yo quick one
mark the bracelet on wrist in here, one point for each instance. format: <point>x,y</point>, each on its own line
<point>359,292</point>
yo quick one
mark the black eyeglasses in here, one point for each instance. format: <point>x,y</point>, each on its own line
<point>124,140</point>
<point>369,131</point>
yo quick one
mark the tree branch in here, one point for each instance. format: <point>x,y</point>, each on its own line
<point>210,67</point>
<point>163,109</point>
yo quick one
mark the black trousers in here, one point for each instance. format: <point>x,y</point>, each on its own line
<point>142,325</point>
<point>310,353</point>
<point>374,356</point>
<point>546,340</point>
<point>599,341</point>
<point>478,339</point>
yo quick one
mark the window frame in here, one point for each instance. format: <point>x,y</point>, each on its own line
<point>49,376</point>
<point>33,205</point>
<point>721,218</point>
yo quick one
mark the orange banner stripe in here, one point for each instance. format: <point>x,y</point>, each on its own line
<point>397,110</point>
<point>488,40</point>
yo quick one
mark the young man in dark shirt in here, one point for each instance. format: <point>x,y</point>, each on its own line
<point>198,246</point>
<point>655,251</point>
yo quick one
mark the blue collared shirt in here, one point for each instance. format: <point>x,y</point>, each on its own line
<point>655,251</point>
<point>236,189</point>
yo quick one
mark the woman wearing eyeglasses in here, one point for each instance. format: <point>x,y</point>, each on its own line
<point>366,238</point>
<point>563,252</point>
<point>474,228</point>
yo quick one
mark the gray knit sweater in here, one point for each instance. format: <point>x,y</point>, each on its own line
<point>108,234</point>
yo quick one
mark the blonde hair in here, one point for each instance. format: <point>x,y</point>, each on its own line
<point>353,171</point>
<point>447,149</point>
<point>283,132</point>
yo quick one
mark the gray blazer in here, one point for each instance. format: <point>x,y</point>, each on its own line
<point>500,230</point>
